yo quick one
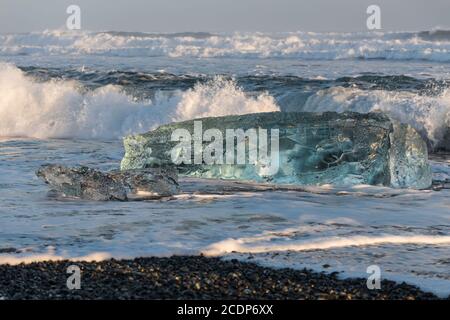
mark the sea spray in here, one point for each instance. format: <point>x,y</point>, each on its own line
<point>429,115</point>
<point>62,109</point>
<point>299,45</point>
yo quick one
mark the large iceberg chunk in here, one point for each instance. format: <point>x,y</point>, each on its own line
<point>312,149</point>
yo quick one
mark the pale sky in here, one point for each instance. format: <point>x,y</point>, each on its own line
<point>223,15</point>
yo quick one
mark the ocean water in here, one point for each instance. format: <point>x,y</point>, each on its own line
<point>69,98</point>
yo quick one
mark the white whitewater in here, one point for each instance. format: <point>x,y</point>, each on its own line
<point>299,45</point>
<point>59,109</point>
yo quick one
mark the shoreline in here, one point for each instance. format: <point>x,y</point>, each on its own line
<point>190,278</point>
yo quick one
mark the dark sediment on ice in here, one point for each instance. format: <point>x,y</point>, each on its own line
<point>188,277</point>
<point>90,184</point>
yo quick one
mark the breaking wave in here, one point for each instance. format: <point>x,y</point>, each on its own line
<point>428,45</point>
<point>245,245</point>
<point>65,109</point>
<point>430,115</point>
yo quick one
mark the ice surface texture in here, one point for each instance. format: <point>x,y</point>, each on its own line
<point>314,149</point>
<point>90,184</point>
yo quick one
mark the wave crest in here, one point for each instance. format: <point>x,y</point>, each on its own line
<point>429,115</point>
<point>430,46</point>
<point>63,109</point>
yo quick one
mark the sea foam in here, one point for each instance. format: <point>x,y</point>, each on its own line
<point>429,46</point>
<point>64,109</point>
<point>241,245</point>
<point>429,115</point>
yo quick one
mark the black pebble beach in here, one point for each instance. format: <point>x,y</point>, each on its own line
<point>188,277</point>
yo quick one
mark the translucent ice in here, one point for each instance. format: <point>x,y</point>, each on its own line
<point>314,149</point>
<point>90,184</point>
